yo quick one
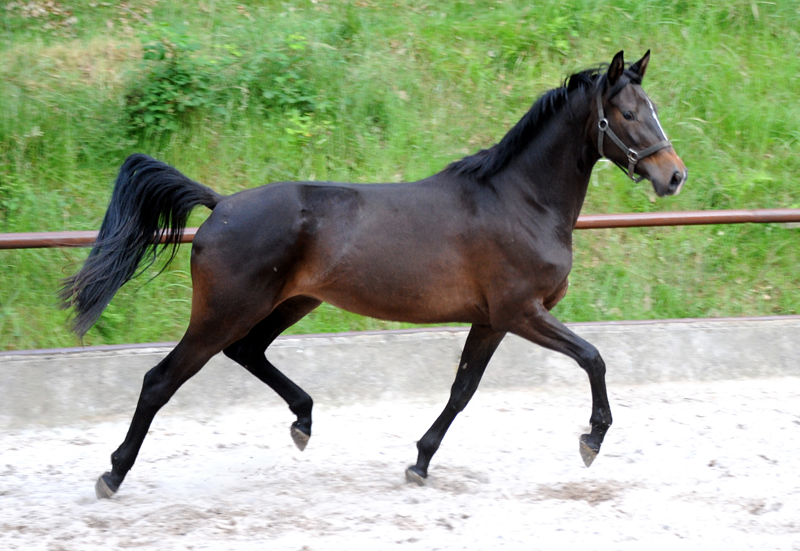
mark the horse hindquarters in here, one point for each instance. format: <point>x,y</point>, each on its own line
<point>227,302</point>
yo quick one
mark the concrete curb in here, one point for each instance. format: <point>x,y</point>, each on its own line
<point>69,386</point>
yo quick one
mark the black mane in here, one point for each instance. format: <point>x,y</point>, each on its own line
<point>488,162</point>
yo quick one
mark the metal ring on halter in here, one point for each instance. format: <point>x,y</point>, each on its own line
<point>602,125</point>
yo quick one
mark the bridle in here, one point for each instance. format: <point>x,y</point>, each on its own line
<point>633,156</point>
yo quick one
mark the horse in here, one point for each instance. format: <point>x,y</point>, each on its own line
<point>487,242</point>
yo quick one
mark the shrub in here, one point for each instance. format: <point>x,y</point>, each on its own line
<point>172,86</point>
<point>278,81</point>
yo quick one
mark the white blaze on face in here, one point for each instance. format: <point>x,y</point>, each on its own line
<point>658,122</point>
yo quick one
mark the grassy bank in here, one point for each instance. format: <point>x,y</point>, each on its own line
<point>240,94</point>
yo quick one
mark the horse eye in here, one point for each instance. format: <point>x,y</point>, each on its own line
<point>628,116</point>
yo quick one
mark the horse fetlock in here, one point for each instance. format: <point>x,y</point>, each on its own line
<point>601,418</point>
<point>427,446</point>
<point>119,463</point>
<point>599,431</point>
<point>302,407</point>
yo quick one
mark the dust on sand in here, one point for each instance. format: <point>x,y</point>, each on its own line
<point>686,465</point>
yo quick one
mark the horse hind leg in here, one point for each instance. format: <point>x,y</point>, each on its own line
<point>481,343</point>
<point>159,385</point>
<point>249,353</point>
<point>214,325</point>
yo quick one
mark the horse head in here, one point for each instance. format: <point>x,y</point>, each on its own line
<point>628,130</point>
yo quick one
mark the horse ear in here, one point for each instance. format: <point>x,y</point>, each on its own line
<point>641,66</point>
<point>616,68</point>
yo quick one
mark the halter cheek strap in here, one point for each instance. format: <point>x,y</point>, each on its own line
<point>633,156</point>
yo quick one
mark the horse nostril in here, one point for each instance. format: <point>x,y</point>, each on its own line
<point>677,179</point>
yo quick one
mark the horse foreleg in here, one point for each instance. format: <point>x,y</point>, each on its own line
<point>540,327</point>
<point>159,385</point>
<point>249,353</point>
<point>481,343</point>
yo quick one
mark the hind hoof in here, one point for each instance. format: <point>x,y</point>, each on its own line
<point>300,438</point>
<point>415,476</point>
<point>588,453</point>
<point>103,488</point>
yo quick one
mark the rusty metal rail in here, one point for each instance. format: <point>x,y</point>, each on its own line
<point>42,240</point>
<point>688,218</point>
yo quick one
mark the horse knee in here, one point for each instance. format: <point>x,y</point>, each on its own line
<point>592,362</point>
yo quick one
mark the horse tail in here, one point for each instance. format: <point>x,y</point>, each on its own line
<point>146,216</point>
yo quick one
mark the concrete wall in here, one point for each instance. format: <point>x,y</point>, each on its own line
<point>86,385</point>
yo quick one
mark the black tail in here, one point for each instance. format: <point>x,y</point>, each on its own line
<point>150,205</point>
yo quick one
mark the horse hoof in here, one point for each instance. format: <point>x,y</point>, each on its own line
<point>588,453</point>
<point>104,489</point>
<point>415,476</point>
<point>300,438</point>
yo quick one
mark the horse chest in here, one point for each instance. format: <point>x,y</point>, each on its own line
<point>543,257</point>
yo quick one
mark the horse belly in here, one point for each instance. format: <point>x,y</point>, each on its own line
<point>404,285</point>
<point>423,303</point>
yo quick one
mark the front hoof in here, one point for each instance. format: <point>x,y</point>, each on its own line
<point>300,438</point>
<point>104,488</point>
<point>415,476</point>
<point>588,451</point>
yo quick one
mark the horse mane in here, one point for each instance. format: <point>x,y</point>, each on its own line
<point>488,162</point>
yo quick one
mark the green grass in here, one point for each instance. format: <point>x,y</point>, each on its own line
<point>393,91</point>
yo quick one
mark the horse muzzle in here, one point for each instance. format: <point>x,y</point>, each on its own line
<point>666,172</point>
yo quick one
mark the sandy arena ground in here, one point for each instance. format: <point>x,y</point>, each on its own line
<point>685,466</point>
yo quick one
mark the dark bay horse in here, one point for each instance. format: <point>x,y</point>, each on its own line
<point>487,241</point>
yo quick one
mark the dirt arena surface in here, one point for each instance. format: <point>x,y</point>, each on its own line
<point>685,466</point>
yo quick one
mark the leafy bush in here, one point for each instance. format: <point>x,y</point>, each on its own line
<point>173,85</point>
<point>176,84</point>
<point>278,81</point>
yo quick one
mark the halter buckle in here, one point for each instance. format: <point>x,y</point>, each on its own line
<point>633,157</point>
<point>602,124</point>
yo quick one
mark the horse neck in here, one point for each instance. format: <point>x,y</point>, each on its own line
<point>552,172</point>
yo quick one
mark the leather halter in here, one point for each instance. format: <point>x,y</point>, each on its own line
<point>633,156</point>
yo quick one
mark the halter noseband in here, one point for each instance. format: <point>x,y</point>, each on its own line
<point>633,156</point>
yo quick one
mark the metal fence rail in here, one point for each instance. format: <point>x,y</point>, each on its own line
<point>44,240</point>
